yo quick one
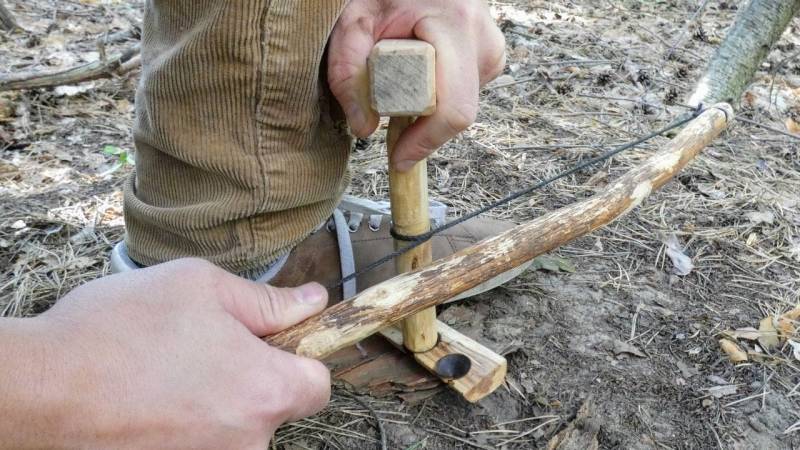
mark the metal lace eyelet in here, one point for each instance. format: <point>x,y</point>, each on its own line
<point>375,222</point>
<point>355,221</point>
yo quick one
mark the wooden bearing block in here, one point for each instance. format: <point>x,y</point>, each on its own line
<point>403,78</point>
<point>484,372</point>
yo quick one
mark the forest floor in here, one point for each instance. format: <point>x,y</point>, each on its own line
<point>610,328</point>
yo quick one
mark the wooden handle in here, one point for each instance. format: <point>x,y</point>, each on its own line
<point>407,294</point>
<point>410,217</point>
<point>402,79</point>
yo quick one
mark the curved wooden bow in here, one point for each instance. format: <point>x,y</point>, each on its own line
<point>389,302</point>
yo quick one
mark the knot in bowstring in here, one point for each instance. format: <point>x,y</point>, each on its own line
<point>416,241</point>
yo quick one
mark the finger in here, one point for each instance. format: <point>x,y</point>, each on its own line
<point>457,84</point>
<point>266,310</point>
<point>307,387</point>
<point>492,55</point>
<point>350,44</point>
<point>315,391</point>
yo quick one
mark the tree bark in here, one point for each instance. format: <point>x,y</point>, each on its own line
<point>7,22</point>
<point>391,301</point>
<point>759,24</point>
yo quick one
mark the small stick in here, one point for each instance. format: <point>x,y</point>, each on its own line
<point>7,21</point>
<point>113,65</point>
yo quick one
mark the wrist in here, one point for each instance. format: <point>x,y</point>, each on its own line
<point>43,387</point>
<point>31,403</point>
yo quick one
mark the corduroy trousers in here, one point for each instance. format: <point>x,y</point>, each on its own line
<point>241,151</point>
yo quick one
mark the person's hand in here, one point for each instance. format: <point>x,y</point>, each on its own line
<point>170,357</point>
<point>470,51</point>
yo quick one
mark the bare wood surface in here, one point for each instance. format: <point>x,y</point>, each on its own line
<point>391,301</point>
<point>402,73</point>
<point>115,65</point>
<point>487,371</point>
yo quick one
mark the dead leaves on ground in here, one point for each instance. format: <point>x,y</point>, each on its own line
<point>771,334</point>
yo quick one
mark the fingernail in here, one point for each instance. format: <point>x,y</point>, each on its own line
<point>405,165</point>
<point>311,293</point>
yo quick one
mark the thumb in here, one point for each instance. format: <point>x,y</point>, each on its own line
<point>350,44</point>
<point>266,310</point>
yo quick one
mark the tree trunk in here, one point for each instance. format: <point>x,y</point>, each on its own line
<point>757,27</point>
<point>7,22</point>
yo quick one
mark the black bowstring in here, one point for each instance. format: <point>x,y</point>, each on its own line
<point>416,241</point>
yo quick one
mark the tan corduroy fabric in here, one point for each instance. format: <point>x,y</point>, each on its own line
<point>240,152</point>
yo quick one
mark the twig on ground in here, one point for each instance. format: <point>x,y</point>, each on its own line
<point>716,435</point>
<point>7,21</point>
<point>767,127</point>
<point>773,72</point>
<point>459,439</point>
<point>532,430</point>
<point>378,422</point>
<point>113,66</point>
<point>677,42</point>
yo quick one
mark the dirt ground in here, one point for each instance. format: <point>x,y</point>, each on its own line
<point>611,326</point>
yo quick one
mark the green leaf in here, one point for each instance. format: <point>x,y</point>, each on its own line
<point>123,157</point>
<point>552,263</point>
<point>419,445</point>
<point>112,150</point>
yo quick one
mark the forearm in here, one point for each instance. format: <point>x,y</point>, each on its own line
<point>33,404</point>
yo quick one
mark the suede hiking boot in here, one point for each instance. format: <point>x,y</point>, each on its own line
<point>358,234</point>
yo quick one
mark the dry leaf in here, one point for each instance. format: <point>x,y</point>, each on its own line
<point>722,391</point>
<point>793,314</point>
<point>795,349</point>
<point>81,262</point>
<point>748,333</point>
<point>71,91</point>
<point>769,335</point>
<point>735,354</point>
<point>786,328</point>
<point>757,217</point>
<point>792,126</point>
<point>711,191</point>
<point>626,348</point>
<point>683,264</point>
<point>749,99</point>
